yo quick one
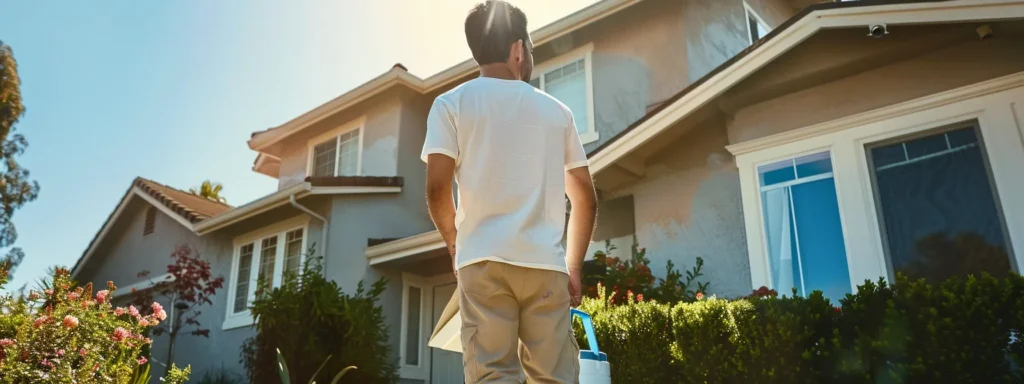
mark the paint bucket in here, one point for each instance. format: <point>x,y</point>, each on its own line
<point>594,367</point>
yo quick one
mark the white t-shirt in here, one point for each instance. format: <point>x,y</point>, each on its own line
<point>512,144</point>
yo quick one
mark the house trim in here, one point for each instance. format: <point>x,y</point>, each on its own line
<point>143,285</point>
<point>399,76</point>
<point>409,246</point>
<point>420,371</point>
<point>989,103</point>
<point>584,52</point>
<point>358,123</point>
<point>781,40</point>
<point>752,14</point>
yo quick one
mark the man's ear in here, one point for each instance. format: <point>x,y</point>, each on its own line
<point>517,51</point>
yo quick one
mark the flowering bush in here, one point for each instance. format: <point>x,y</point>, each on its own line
<point>69,334</point>
<point>633,277</point>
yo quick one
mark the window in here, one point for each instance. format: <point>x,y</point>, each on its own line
<point>150,224</point>
<point>803,233</point>
<point>338,152</point>
<point>756,27</point>
<point>259,257</point>
<point>936,205</point>
<point>414,304</point>
<point>929,192</point>
<point>568,79</point>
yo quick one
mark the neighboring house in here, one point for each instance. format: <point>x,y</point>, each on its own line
<point>722,129</point>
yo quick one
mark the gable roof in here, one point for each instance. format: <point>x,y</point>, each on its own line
<point>190,207</point>
<point>185,208</point>
<point>399,75</point>
<point>809,21</point>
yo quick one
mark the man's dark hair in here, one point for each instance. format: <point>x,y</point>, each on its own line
<point>491,28</point>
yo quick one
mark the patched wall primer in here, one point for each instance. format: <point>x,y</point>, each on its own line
<point>715,31</point>
<point>903,81</point>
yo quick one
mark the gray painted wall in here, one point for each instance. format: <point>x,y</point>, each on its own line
<point>126,251</point>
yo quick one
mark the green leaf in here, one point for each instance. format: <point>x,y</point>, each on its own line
<point>282,368</point>
<point>312,380</point>
<point>342,373</point>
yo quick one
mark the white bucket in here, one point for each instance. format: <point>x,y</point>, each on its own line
<point>594,367</point>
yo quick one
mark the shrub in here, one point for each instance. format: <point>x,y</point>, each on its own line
<point>960,330</point>
<point>634,276</point>
<point>309,318</point>
<point>69,334</point>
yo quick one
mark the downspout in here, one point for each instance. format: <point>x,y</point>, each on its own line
<point>323,231</point>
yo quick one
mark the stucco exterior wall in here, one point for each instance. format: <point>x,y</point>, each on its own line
<point>125,252</point>
<point>380,139</point>
<point>956,66</point>
<point>689,206</point>
<point>715,30</point>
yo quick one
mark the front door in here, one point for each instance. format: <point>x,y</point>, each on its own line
<point>446,366</point>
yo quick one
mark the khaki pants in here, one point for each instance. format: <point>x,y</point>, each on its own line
<point>504,306</point>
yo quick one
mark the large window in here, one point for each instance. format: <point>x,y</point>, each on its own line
<point>925,192</point>
<point>259,257</point>
<point>937,206</point>
<point>338,152</point>
<point>803,233</point>
<point>568,79</point>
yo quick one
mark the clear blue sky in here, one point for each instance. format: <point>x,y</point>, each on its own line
<point>171,90</point>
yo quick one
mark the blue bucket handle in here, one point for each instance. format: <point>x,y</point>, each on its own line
<point>588,327</point>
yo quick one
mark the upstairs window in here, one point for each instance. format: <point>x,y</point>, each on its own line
<point>150,225</point>
<point>756,27</point>
<point>568,79</point>
<point>338,152</point>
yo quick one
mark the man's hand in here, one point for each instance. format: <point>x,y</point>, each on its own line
<point>575,288</point>
<point>455,267</point>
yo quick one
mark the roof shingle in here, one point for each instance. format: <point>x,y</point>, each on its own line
<point>193,208</point>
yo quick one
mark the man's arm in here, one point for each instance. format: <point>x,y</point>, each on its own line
<point>579,186</point>
<point>440,200</point>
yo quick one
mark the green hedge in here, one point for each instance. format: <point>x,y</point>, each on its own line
<point>960,331</point>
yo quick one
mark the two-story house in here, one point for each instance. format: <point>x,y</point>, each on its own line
<point>789,144</point>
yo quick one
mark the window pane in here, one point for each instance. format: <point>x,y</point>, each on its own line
<point>412,337</point>
<point>293,251</point>
<point>535,82</point>
<point>349,157</point>
<point>268,252</point>
<point>569,85</point>
<point>776,173</point>
<point>938,211</point>
<point>803,232</point>
<point>244,274</point>
<point>813,165</point>
<point>324,155</point>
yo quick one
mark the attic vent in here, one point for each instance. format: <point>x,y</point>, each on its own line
<point>150,221</point>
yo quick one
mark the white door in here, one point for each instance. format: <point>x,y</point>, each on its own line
<point>445,366</point>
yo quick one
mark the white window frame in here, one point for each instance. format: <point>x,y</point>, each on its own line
<point>279,230</point>
<point>750,13</point>
<point>997,106</point>
<point>426,286</point>
<point>359,123</point>
<point>586,53</point>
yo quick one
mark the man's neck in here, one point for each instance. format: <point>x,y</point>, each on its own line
<point>497,71</point>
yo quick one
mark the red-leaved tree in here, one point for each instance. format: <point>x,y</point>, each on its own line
<point>189,287</point>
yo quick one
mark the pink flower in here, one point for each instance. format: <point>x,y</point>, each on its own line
<point>142,360</point>
<point>133,311</point>
<point>47,363</point>
<point>640,298</point>
<point>101,296</point>
<point>119,311</point>
<point>40,321</point>
<point>48,292</point>
<point>70,321</point>
<point>120,334</point>
<point>33,296</point>
<point>82,352</point>
<point>60,352</point>
<point>143,322</point>
<point>838,309</point>
<point>700,296</point>
<point>72,296</point>
<point>6,342</point>
<point>147,340</point>
<point>158,311</point>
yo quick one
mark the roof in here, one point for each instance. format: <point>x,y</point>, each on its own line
<point>398,75</point>
<point>788,35</point>
<point>189,206</point>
